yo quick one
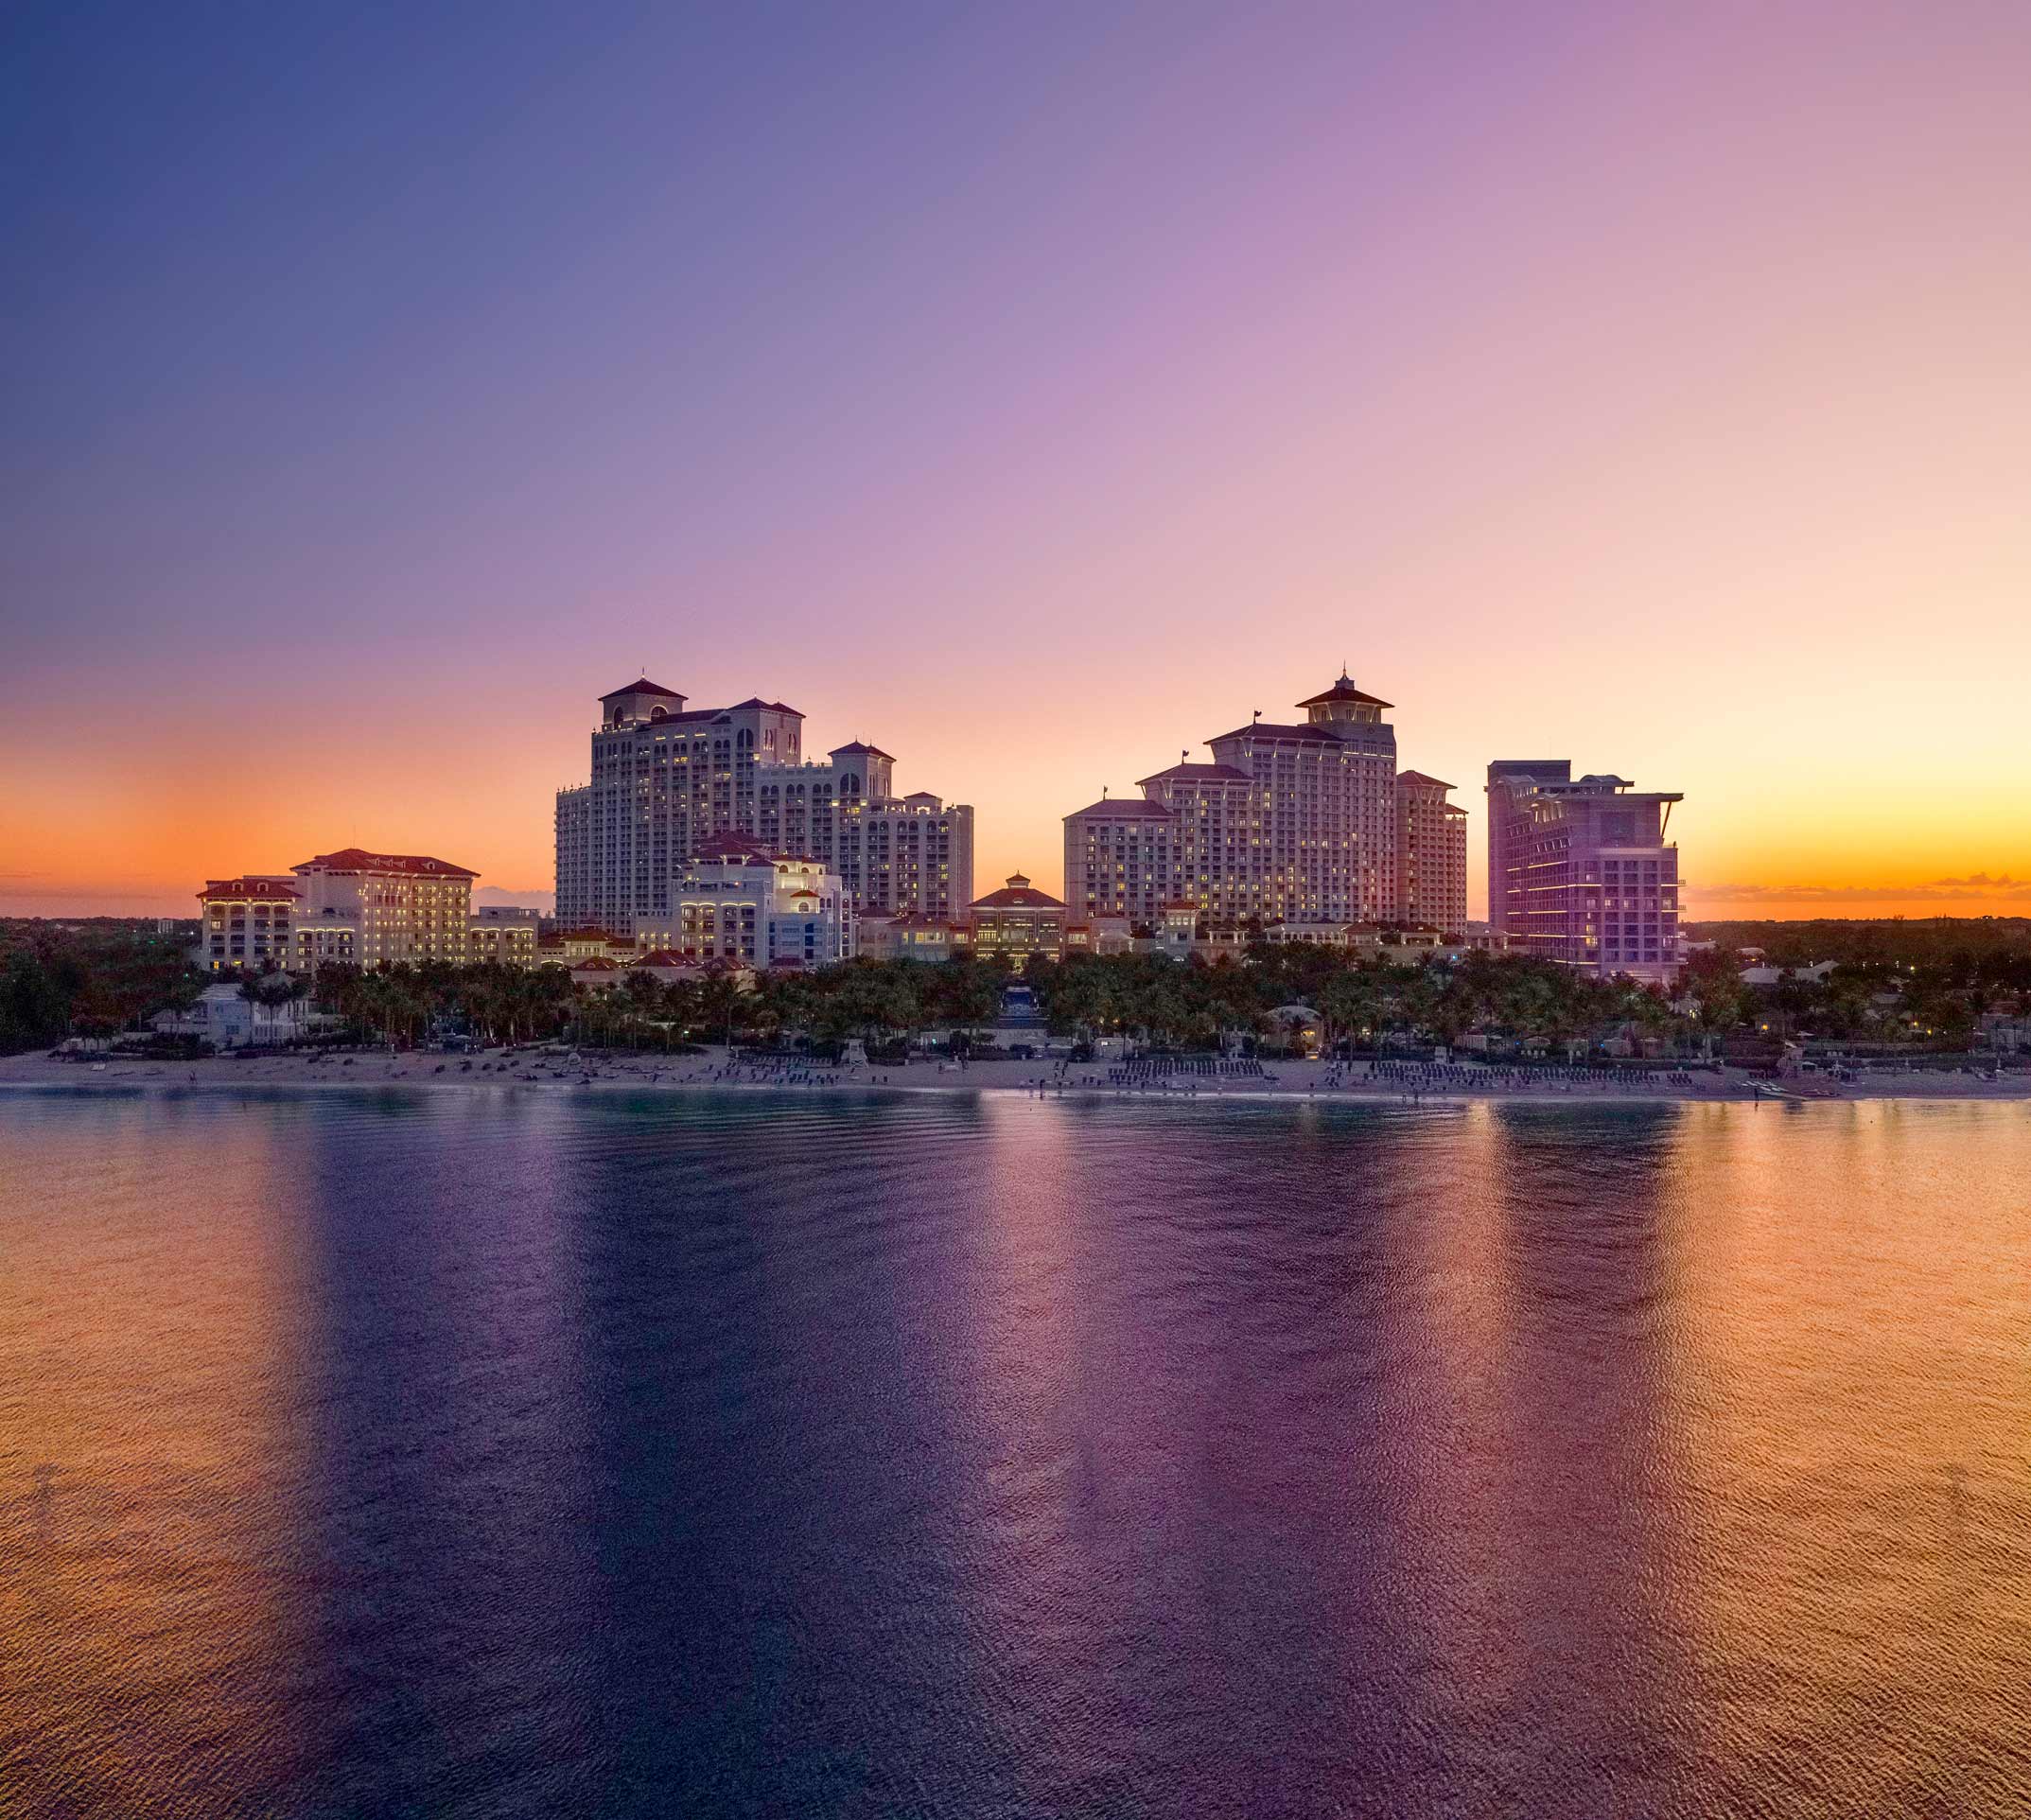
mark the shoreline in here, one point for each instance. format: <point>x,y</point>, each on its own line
<point>1289,1082</point>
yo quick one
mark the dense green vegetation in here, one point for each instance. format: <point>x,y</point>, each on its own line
<point>1928,941</point>
<point>88,978</point>
<point>97,978</point>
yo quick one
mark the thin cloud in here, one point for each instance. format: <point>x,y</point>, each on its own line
<point>1976,887</point>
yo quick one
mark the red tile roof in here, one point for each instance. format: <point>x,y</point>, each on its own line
<point>1016,895</point>
<point>1125,808</point>
<point>642,687</point>
<point>733,847</point>
<point>259,890</point>
<point>1344,690</point>
<point>1199,773</point>
<point>356,859</point>
<point>1320,735</point>
<point>1419,778</point>
<point>855,746</point>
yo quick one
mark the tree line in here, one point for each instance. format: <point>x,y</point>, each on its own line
<point>98,979</point>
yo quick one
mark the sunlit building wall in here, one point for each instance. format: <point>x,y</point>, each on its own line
<point>667,778</point>
<point>1579,872</point>
<point>247,922</point>
<point>1291,822</point>
<point>1431,855</point>
<point>395,907</point>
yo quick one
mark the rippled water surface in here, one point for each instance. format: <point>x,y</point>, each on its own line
<point>367,1454</point>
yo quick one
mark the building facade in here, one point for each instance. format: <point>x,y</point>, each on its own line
<point>1290,823</point>
<point>667,780</point>
<point>383,908</point>
<point>1017,921</point>
<point>504,934</point>
<point>247,922</point>
<point>910,936</point>
<point>1580,872</point>
<point>734,902</point>
<point>1431,855</point>
<point>226,1020</point>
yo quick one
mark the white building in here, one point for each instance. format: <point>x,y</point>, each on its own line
<point>667,778</point>
<point>247,921</point>
<point>385,908</point>
<point>224,1018</point>
<point>733,901</point>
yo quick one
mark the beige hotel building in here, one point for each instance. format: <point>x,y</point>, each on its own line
<point>1302,824</point>
<point>669,778</point>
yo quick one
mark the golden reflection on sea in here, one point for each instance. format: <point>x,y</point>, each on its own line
<point>130,1647</point>
<point>1850,1345</point>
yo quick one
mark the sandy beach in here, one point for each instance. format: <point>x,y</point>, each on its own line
<point>528,1071</point>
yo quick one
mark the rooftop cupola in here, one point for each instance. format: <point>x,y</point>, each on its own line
<point>1343,702</point>
<point>641,700</point>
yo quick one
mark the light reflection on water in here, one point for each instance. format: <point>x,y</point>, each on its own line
<point>533,1454</point>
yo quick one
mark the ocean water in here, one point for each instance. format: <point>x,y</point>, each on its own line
<point>549,1454</point>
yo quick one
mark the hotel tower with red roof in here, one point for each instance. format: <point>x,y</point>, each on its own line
<point>1307,825</point>
<point>668,778</point>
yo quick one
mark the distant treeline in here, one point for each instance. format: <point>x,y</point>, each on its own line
<point>1897,941</point>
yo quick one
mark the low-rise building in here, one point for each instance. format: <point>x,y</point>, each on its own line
<point>503,934</point>
<point>225,1017</point>
<point>574,947</point>
<point>913,937</point>
<point>1017,921</point>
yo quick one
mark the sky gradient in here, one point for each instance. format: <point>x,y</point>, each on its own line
<point>1032,391</point>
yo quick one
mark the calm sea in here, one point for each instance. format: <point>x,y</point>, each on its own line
<point>549,1454</point>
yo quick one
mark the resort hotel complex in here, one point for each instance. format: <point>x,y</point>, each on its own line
<point>704,837</point>
<point>1305,826</point>
<point>667,779</point>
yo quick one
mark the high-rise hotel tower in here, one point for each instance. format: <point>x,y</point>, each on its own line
<point>1580,872</point>
<point>666,777</point>
<point>1295,823</point>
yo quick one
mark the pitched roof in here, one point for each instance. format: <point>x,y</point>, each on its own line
<point>258,890</point>
<point>356,859</point>
<point>642,687</point>
<point>1322,734</point>
<point>1420,778</point>
<point>1199,774</point>
<point>872,751</point>
<point>722,846</point>
<point>756,701</point>
<point>1344,690</point>
<point>1129,808</point>
<point>1017,895</point>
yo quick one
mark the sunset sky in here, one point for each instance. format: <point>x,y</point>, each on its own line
<point>1032,391</point>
